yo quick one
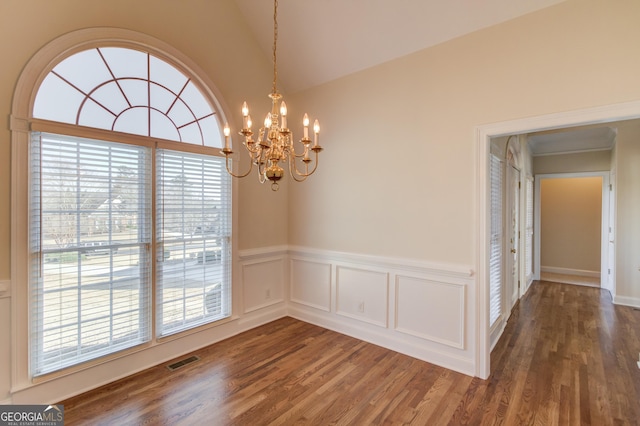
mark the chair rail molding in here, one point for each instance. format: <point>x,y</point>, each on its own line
<point>5,288</point>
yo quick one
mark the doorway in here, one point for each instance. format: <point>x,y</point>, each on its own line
<point>572,221</point>
<point>484,134</point>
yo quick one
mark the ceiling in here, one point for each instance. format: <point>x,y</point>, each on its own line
<point>572,140</point>
<point>322,40</point>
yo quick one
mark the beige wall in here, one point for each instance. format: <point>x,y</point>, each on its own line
<point>571,223</point>
<point>398,171</point>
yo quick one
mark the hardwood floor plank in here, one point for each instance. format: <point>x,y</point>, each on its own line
<point>567,357</point>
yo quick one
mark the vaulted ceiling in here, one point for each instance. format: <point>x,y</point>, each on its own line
<point>322,40</point>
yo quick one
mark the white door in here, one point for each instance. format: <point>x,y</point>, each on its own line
<point>512,287</point>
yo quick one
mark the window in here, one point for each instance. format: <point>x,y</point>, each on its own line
<point>193,229</point>
<point>122,228</point>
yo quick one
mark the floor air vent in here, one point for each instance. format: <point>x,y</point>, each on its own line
<point>182,363</point>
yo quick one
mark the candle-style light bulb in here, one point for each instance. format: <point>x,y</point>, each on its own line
<point>283,112</point>
<point>305,123</point>
<point>227,132</point>
<point>245,115</point>
<point>267,126</point>
<point>249,123</point>
<point>316,131</point>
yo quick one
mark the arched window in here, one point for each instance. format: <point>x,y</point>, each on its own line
<point>128,91</point>
<point>129,206</point>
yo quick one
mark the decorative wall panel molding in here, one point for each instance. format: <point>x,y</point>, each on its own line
<point>262,283</point>
<point>362,294</point>
<point>422,309</point>
<point>443,303</point>
<point>311,283</point>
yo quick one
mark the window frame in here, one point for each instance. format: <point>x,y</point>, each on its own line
<point>22,123</point>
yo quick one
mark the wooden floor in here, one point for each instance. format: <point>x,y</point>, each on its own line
<point>567,357</point>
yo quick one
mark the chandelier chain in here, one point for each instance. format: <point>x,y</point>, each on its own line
<point>275,146</point>
<point>275,42</point>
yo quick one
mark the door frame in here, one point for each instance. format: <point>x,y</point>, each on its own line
<point>483,135</point>
<point>513,195</point>
<point>604,224</point>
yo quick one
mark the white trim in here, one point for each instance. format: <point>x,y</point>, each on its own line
<point>633,302</point>
<point>386,262</point>
<point>483,135</point>
<point>377,336</point>
<point>261,252</point>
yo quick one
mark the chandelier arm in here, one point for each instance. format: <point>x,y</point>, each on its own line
<point>252,151</point>
<point>296,174</point>
<point>261,162</point>
<point>293,154</point>
<point>292,150</point>
<point>297,177</point>
<point>237,175</point>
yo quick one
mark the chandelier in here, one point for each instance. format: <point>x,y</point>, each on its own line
<point>275,142</point>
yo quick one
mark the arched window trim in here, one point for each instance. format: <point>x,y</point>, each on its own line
<point>22,122</point>
<point>69,44</point>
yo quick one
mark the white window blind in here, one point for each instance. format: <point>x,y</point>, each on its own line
<point>193,235</point>
<point>529,229</point>
<point>496,244</point>
<point>90,243</point>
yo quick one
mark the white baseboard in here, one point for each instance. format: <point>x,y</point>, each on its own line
<point>393,342</point>
<point>634,302</point>
<point>570,271</point>
<point>374,298</point>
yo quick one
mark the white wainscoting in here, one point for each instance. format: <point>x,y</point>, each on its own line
<point>363,294</point>
<point>421,309</point>
<point>313,283</point>
<point>416,297</point>
<point>263,278</point>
